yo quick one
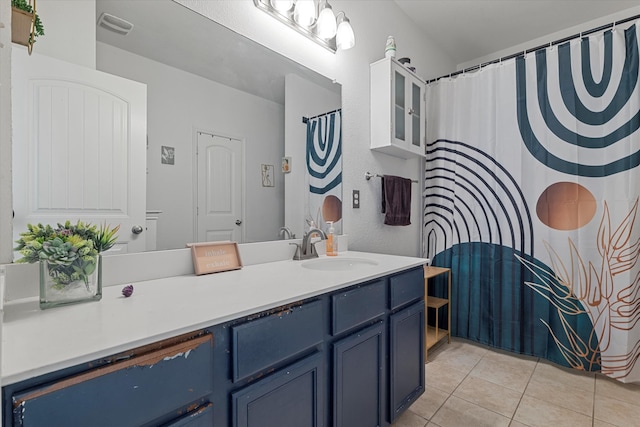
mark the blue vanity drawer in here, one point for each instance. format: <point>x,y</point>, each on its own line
<point>134,391</point>
<point>357,306</point>
<point>199,417</point>
<point>271,340</point>
<point>407,287</point>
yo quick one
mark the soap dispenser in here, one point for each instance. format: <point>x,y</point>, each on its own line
<point>332,242</point>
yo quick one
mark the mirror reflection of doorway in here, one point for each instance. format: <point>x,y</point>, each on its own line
<point>79,148</point>
<point>220,188</point>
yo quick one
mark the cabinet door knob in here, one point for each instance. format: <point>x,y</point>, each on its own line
<point>411,111</point>
<point>238,222</point>
<point>136,229</point>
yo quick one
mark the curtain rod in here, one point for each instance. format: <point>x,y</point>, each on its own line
<point>306,119</point>
<point>521,53</point>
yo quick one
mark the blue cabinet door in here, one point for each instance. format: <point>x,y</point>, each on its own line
<point>359,378</point>
<point>291,397</point>
<point>406,358</point>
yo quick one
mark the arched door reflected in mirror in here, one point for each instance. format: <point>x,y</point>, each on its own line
<point>202,77</point>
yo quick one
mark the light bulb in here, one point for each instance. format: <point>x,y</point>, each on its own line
<point>326,27</point>
<point>282,6</point>
<point>345,38</point>
<point>305,13</point>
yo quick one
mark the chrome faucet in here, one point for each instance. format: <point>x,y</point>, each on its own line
<point>308,249</point>
<point>289,234</point>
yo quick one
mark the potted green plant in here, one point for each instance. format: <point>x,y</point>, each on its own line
<point>69,258</point>
<point>25,23</point>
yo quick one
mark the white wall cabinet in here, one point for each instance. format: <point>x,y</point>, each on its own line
<point>397,110</point>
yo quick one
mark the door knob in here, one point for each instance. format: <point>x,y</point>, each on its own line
<point>136,229</point>
<point>238,221</point>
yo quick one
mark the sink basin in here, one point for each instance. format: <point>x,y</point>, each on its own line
<point>338,263</point>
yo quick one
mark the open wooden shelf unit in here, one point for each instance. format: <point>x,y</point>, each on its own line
<point>435,333</point>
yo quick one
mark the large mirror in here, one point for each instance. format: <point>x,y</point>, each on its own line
<point>203,77</point>
<point>207,86</point>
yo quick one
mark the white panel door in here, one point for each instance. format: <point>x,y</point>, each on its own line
<point>220,189</point>
<point>79,147</point>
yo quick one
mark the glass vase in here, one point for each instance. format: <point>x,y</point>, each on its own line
<point>70,284</point>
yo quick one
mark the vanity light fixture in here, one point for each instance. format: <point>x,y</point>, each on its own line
<point>304,13</point>
<point>282,6</point>
<point>345,37</point>
<point>313,19</point>
<point>326,26</point>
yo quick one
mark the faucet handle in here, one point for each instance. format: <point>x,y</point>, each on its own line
<point>297,255</point>
<point>314,252</point>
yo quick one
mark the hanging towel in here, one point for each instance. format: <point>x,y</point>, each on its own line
<point>396,200</point>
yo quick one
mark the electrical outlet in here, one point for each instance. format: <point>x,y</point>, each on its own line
<point>355,198</point>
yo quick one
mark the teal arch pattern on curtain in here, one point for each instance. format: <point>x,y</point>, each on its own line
<point>324,152</point>
<point>324,170</point>
<point>531,194</point>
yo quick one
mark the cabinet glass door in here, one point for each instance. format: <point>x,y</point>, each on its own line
<point>400,106</point>
<point>416,115</point>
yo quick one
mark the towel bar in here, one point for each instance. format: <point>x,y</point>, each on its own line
<point>369,175</point>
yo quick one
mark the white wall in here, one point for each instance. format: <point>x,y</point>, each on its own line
<point>69,30</point>
<point>178,103</point>
<point>302,98</point>
<point>6,240</point>
<point>372,22</point>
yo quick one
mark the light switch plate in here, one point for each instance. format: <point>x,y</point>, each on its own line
<point>355,199</point>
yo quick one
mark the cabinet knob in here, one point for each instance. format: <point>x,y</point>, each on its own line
<point>411,110</point>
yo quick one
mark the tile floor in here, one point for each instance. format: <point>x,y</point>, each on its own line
<point>469,385</point>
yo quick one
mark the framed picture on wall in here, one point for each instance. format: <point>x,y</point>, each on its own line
<point>267,175</point>
<point>286,164</point>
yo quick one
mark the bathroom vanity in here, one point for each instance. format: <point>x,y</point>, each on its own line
<point>276,344</point>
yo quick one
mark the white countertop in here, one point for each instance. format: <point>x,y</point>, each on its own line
<point>36,342</point>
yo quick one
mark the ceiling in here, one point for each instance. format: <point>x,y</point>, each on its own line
<point>470,29</point>
<point>179,37</point>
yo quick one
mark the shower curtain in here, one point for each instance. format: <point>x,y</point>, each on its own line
<point>531,198</point>
<point>324,170</point>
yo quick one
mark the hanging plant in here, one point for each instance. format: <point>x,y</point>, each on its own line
<point>26,24</point>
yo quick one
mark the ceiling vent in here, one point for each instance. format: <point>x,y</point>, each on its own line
<point>115,24</point>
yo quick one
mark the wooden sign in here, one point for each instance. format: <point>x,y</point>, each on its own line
<point>213,257</point>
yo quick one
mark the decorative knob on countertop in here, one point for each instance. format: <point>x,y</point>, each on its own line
<point>127,291</point>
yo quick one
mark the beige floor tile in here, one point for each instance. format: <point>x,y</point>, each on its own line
<point>598,423</point>
<point>457,412</point>
<point>458,355</point>
<point>614,389</point>
<point>489,395</point>
<point>517,424</point>
<point>549,373</point>
<point>538,413</point>
<point>409,419</point>
<point>429,402</point>
<point>562,394</point>
<point>505,371</point>
<point>616,412</point>
<point>443,377</point>
<point>512,359</point>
